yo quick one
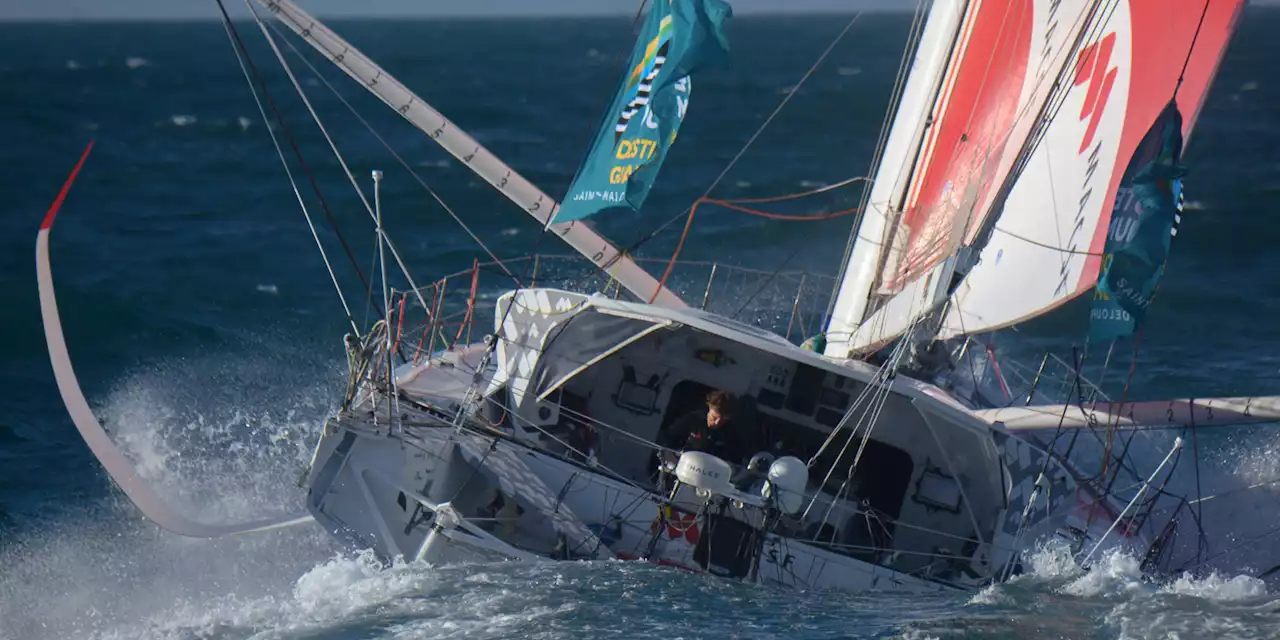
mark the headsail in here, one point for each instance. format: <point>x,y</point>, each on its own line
<point>910,121</point>
<point>1002,70</point>
<point>1142,225</point>
<point>679,37</point>
<point>1048,243</point>
<point>466,149</point>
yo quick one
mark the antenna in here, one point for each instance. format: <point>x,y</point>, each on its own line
<point>386,294</point>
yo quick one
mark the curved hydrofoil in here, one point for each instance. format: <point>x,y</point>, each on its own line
<point>116,464</point>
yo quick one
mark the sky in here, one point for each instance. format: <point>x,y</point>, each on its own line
<point>11,10</point>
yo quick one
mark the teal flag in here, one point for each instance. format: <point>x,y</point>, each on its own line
<point>679,37</point>
<point>1143,222</point>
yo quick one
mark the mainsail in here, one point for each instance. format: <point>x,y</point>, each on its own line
<point>679,37</point>
<point>1048,244</point>
<point>466,149</point>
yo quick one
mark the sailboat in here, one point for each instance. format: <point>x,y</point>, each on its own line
<point>1031,157</point>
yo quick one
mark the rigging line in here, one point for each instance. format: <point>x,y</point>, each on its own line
<point>973,373</point>
<point>332,145</point>
<point>397,156</point>
<point>768,281</point>
<point>1045,245</point>
<point>730,204</point>
<point>801,194</point>
<point>293,143</point>
<point>742,152</point>
<point>1195,453</point>
<point>236,47</point>
<point>1191,49</point>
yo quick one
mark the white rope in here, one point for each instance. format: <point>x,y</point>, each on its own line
<point>880,388</point>
<point>337,154</point>
<point>1177,444</point>
<point>293,183</point>
<point>501,264</point>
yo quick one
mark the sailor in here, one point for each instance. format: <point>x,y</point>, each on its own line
<point>717,430</point>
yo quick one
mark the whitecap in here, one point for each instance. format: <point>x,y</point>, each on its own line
<point>135,62</point>
<point>182,120</point>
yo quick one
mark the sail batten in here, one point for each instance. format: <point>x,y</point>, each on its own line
<point>466,149</point>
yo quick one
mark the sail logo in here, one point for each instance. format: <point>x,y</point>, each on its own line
<point>677,524</point>
<point>1092,69</point>
<point>640,82</point>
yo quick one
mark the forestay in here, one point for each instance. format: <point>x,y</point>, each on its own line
<point>465,148</point>
<point>1049,240</point>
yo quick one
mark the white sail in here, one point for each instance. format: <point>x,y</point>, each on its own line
<point>1000,74</point>
<point>1047,246</point>
<point>465,148</point>
<point>909,124</point>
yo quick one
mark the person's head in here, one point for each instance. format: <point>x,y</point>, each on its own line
<point>719,408</point>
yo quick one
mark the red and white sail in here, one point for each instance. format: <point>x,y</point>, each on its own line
<point>1048,242</point>
<point>1073,82</point>
<point>1003,61</point>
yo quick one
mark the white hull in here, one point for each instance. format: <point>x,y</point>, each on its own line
<point>536,492</point>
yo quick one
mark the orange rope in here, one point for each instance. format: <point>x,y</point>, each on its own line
<point>802,194</point>
<point>400,322</point>
<point>471,300</point>
<point>1114,423</point>
<point>430,322</point>
<point>731,204</point>
<point>662,284</point>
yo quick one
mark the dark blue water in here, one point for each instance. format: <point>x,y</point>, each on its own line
<point>206,333</point>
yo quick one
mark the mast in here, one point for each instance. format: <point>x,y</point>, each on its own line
<point>467,150</point>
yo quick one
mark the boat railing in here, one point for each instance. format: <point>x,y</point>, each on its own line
<point>457,308</point>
